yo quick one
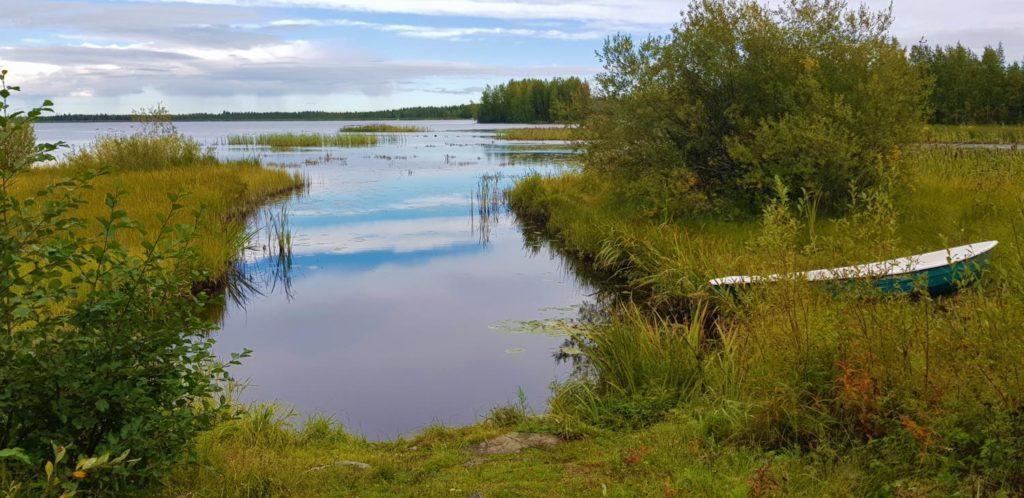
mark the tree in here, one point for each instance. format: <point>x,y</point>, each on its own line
<point>533,101</point>
<point>739,94</point>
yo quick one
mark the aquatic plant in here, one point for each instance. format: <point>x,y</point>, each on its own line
<point>295,140</point>
<point>382,128</point>
<point>546,133</point>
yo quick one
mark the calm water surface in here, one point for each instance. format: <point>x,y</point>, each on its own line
<point>401,305</point>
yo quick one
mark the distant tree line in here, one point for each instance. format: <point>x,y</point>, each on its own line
<point>970,88</point>
<point>533,101</point>
<point>464,111</point>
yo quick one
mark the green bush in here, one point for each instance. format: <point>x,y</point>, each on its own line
<point>102,350</point>
<point>741,93</point>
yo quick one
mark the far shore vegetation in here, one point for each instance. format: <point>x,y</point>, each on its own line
<point>463,111</point>
<point>534,101</point>
<point>750,140</point>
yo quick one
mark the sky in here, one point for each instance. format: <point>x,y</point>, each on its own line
<point>113,56</point>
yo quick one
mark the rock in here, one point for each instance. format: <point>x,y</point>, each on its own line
<point>514,443</point>
<point>350,463</point>
<point>340,463</point>
<point>473,462</point>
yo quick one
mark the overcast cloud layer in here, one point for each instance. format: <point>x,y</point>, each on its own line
<point>213,55</point>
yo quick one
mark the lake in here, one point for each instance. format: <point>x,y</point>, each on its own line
<point>405,304</point>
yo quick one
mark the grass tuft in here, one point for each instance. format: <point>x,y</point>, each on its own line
<point>296,140</point>
<point>974,134</point>
<point>547,133</point>
<point>382,128</point>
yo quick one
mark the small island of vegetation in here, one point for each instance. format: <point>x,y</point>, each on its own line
<point>382,128</point>
<point>294,140</point>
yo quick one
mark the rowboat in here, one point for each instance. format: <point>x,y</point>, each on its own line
<point>938,272</point>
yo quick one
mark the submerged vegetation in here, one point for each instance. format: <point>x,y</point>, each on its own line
<point>293,140</point>
<point>563,134</point>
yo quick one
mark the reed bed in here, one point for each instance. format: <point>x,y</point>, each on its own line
<point>974,134</point>
<point>223,193</point>
<point>297,140</point>
<point>547,133</point>
<point>382,128</point>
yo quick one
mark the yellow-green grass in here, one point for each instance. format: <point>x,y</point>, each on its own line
<point>382,128</point>
<point>295,140</point>
<point>258,457</point>
<point>547,133</point>
<point>974,134</point>
<point>226,192</point>
<point>793,391</point>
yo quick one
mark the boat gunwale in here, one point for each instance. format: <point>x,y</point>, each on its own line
<point>954,255</point>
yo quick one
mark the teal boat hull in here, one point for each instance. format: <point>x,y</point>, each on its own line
<point>936,281</point>
<point>935,273</point>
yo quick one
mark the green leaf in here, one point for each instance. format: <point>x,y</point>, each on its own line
<point>102,405</point>
<point>15,454</point>
<point>21,312</point>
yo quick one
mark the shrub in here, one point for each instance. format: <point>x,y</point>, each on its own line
<point>740,94</point>
<point>102,350</point>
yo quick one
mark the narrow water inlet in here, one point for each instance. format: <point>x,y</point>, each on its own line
<point>378,296</point>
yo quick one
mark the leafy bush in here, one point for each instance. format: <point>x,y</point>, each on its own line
<point>102,350</point>
<point>740,93</point>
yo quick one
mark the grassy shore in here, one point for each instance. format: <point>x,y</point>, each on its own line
<point>296,140</point>
<point>974,134</point>
<point>793,391</point>
<point>546,133</point>
<point>383,128</point>
<point>146,169</point>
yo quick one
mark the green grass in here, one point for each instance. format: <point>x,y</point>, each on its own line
<point>295,140</point>
<point>974,134</point>
<point>792,392</point>
<point>382,128</point>
<point>147,169</point>
<point>262,455</point>
<point>536,134</point>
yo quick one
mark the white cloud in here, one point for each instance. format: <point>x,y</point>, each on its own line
<point>433,32</point>
<point>636,11</point>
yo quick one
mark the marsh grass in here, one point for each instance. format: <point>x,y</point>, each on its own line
<point>974,134</point>
<point>148,168</point>
<point>546,133</point>
<point>297,140</point>
<point>382,128</point>
<point>794,366</point>
<point>779,390</point>
<point>141,152</point>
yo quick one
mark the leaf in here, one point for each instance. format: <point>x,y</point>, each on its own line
<point>15,454</point>
<point>102,405</point>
